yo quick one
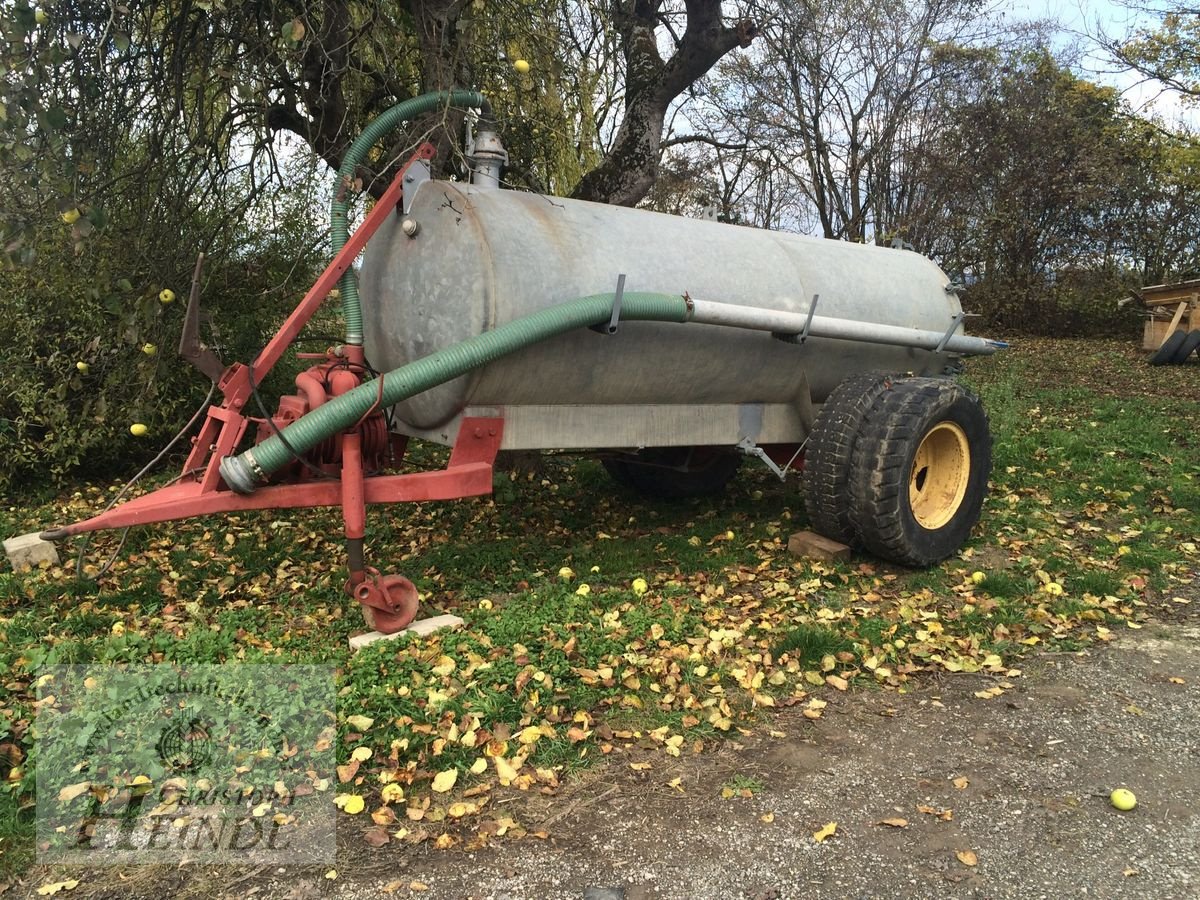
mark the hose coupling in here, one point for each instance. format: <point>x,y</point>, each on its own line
<point>242,473</point>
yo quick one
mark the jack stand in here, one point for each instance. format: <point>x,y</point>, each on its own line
<point>389,602</point>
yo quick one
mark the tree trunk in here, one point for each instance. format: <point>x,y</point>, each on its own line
<point>651,83</point>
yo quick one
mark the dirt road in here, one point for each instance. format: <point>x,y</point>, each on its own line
<point>999,797</point>
<point>1021,780</point>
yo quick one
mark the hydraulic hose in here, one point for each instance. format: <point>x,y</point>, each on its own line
<point>244,471</point>
<point>339,208</point>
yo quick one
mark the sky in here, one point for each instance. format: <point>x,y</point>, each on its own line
<point>1084,20</point>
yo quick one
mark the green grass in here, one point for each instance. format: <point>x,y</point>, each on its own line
<point>1095,486</point>
<point>808,644</point>
<point>744,785</point>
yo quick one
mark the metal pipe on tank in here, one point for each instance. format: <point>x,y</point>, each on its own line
<point>487,157</point>
<point>707,312</point>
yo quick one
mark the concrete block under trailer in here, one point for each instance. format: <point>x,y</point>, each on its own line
<point>690,346</point>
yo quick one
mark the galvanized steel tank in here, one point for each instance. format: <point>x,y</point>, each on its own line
<point>483,257</point>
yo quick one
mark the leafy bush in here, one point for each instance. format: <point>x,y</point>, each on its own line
<point>92,350</point>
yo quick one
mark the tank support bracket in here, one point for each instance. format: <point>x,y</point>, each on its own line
<point>748,447</point>
<point>954,323</point>
<point>803,335</point>
<point>611,327</point>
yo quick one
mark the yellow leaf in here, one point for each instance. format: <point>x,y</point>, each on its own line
<point>331,874</point>
<point>392,793</point>
<point>961,783</point>
<point>505,770</point>
<point>479,766</point>
<point>768,817</point>
<point>351,804</point>
<point>967,857</point>
<point>443,781</point>
<point>529,735</point>
<point>55,886</point>
<point>71,791</point>
<point>827,831</point>
<point>834,681</point>
<point>361,723</point>
<point>361,754</point>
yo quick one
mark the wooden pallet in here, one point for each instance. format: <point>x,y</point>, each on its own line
<point>1173,307</point>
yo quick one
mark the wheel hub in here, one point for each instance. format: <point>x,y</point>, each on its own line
<point>940,472</point>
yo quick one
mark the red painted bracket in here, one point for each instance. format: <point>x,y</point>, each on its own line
<point>469,474</point>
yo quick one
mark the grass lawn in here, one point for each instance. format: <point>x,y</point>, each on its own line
<point>1092,525</point>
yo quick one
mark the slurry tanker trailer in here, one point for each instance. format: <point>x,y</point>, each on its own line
<point>673,348</point>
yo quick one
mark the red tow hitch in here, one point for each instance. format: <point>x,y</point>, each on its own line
<point>347,469</point>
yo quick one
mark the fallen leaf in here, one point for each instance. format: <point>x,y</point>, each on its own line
<point>967,857</point>
<point>827,831</point>
<point>360,723</point>
<point>768,817</point>
<point>351,804</point>
<point>505,769</point>
<point>71,791</point>
<point>377,836</point>
<point>961,783</point>
<point>361,754</point>
<point>55,886</point>
<point>894,822</point>
<point>443,781</point>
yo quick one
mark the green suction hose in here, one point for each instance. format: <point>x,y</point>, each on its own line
<point>244,471</point>
<point>339,208</point>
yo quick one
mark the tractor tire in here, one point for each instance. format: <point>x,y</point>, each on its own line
<point>1165,355</point>
<point>827,456</point>
<point>1188,347</point>
<point>920,470</point>
<point>675,473</point>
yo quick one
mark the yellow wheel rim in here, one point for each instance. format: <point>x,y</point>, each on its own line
<point>940,472</point>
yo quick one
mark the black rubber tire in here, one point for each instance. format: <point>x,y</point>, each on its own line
<point>662,475</point>
<point>1165,354</point>
<point>827,455</point>
<point>882,467</point>
<point>1188,347</point>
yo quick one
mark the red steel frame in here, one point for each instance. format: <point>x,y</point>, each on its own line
<point>200,490</point>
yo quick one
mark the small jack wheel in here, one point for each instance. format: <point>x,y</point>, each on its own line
<point>389,602</point>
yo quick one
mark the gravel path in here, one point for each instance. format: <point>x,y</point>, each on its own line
<point>1039,761</point>
<point>1017,784</point>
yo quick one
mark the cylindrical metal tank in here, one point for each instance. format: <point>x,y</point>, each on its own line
<point>481,258</point>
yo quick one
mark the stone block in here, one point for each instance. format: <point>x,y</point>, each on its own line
<point>421,627</point>
<point>28,551</point>
<point>816,546</point>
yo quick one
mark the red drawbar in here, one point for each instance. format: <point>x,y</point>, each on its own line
<point>390,601</point>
